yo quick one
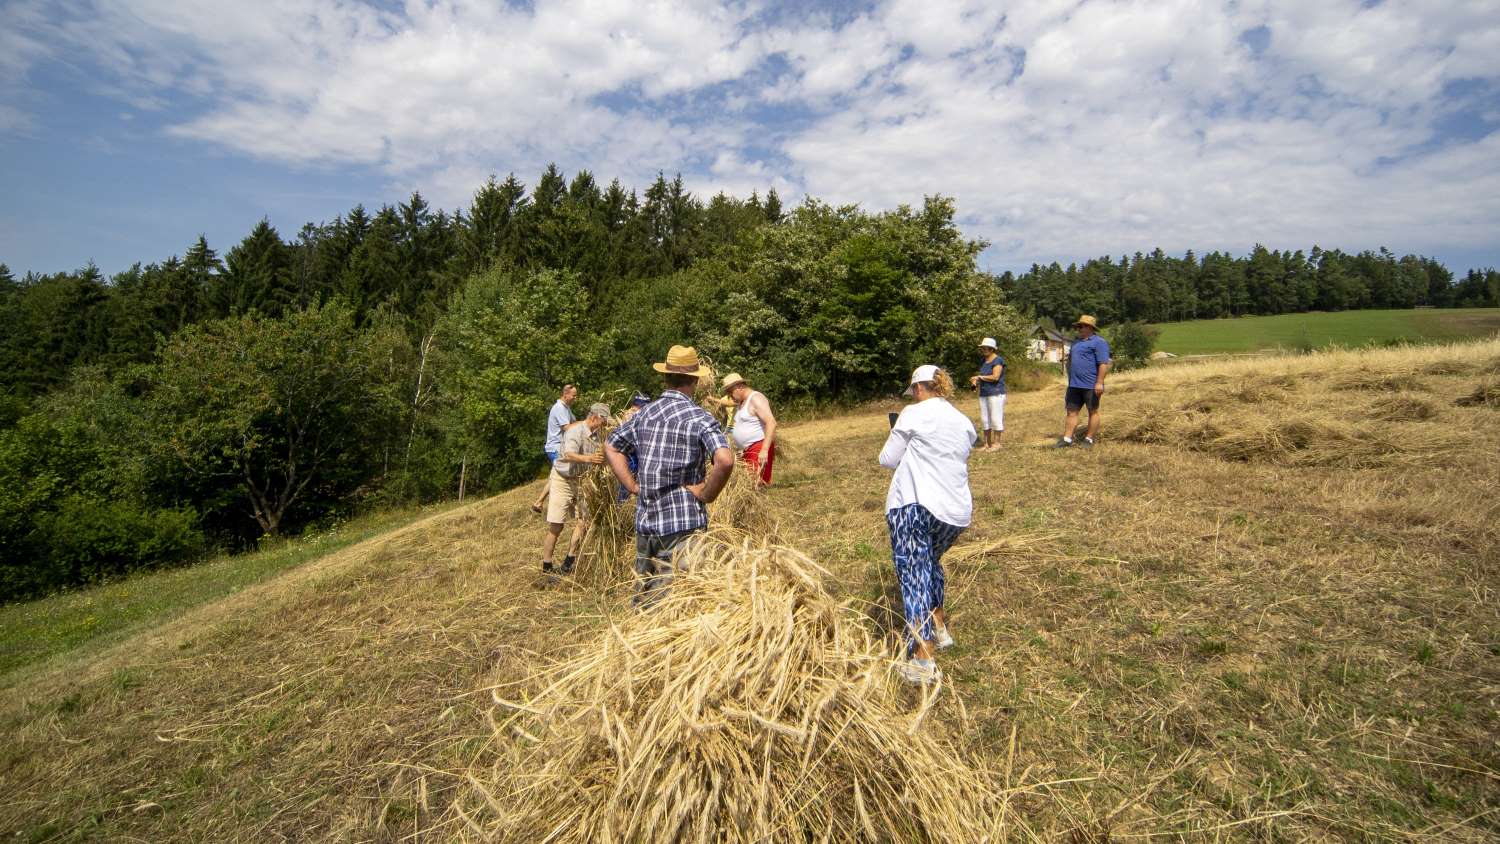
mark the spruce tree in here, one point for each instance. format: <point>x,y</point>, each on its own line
<point>483,232</point>
<point>773,207</point>
<point>373,275</point>
<point>257,275</point>
<point>583,192</point>
<point>188,298</point>
<point>613,205</point>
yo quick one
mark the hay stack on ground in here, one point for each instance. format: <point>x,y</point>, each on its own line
<point>748,706</point>
<point>1392,381</point>
<point>1484,395</point>
<point>1402,408</point>
<point>1447,367</point>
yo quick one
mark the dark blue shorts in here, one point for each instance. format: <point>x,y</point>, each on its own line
<point>1079,396</point>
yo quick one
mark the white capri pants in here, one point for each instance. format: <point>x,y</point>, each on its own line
<point>992,412</point>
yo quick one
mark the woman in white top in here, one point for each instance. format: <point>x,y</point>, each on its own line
<point>927,507</point>
<point>754,428</point>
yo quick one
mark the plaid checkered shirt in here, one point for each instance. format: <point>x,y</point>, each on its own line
<point>673,438</point>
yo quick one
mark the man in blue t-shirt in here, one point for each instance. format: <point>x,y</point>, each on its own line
<point>1088,362</point>
<point>558,420</point>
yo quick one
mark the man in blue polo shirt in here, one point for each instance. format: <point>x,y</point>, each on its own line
<point>1088,362</point>
<point>558,419</point>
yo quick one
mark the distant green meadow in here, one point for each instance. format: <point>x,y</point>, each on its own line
<point>1320,330</point>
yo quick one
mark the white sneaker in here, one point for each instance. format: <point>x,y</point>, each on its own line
<point>919,671</point>
<point>944,639</point>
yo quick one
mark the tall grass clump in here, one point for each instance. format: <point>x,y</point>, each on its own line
<point>750,705</point>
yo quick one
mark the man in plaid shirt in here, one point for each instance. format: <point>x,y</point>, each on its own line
<point>672,437</point>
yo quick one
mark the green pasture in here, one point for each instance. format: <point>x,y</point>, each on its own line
<point>1319,330</point>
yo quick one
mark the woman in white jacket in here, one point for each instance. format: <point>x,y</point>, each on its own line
<point>927,507</point>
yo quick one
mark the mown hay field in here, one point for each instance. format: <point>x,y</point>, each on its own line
<point>1263,608</point>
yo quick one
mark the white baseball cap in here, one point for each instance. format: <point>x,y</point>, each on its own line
<point>988,343</point>
<point>926,372</point>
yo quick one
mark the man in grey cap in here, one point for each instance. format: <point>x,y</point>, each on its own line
<point>578,452</point>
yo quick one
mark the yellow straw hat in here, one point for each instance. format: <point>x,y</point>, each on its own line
<point>1087,320</point>
<point>732,380</point>
<point>683,360</point>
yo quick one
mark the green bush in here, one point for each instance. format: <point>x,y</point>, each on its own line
<point>75,505</point>
<point>1131,344</point>
<point>88,539</point>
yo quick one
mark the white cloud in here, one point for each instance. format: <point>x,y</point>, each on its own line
<point>1131,124</point>
<point>1138,124</point>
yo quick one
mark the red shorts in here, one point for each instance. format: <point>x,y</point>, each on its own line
<point>751,457</point>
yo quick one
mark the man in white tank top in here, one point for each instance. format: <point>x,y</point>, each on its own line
<point>754,430</point>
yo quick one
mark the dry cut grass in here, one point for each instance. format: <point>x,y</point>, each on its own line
<point>1350,418</point>
<point>1265,607</point>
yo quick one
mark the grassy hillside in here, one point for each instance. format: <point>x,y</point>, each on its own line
<point>1264,607</point>
<point>1349,329</point>
<point>91,618</point>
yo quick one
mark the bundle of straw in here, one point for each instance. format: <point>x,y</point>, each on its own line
<point>1402,408</point>
<point>749,705</point>
<point>1447,367</point>
<point>743,505</point>
<point>1486,394</point>
<point>609,545</point>
<point>608,554</point>
<point>1153,424</point>
<point>1380,381</point>
<point>1303,441</point>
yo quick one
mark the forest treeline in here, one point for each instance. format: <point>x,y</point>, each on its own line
<point>206,400</point>
<point>1157,287</point>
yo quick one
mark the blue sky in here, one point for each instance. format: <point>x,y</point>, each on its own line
<point>1064,129</point>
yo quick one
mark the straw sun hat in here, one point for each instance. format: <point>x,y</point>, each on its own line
<point>732,380</point>
<point>682,360</point>
<point>1087,320</point>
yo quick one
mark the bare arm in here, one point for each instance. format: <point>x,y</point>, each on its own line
<point>762,409</point>
<point>1099,379</point>
<point>620,465</point>
<point>717,477</point>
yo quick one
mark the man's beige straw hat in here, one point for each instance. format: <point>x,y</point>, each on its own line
<point>682,360</point>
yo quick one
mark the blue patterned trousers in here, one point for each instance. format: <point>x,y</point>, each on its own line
<point>918,542</point>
